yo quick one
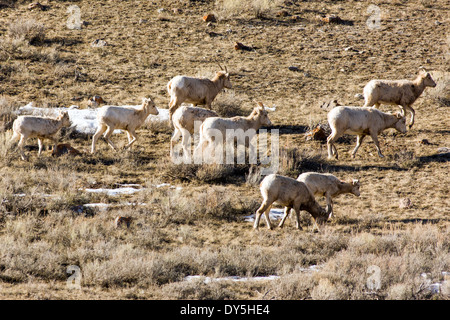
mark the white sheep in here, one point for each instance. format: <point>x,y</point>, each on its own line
<point>290,193</point>
<point>198,91</point>
<point>329,186</point>
<point>231,129</point>
<point>126,118</point>
<point>184,120</point>
<point>360,121</point>
<point>397,92</point>
<point>38,127</point>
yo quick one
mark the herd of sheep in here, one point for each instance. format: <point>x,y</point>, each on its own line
<point>297,194</point>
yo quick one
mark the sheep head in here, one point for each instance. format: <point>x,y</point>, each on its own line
<point>400,125</point>
<point>149,105</point>
<point>64,118</point>
<point>427,79</point>
<point>355,187</point>
<point>223,77</point>
<point>261,113</point>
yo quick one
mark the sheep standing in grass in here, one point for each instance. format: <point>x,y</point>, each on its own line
<point>290,193</point>
<point>184,119</point>
<point>38,127</point>
<point>329,186</point>
<point>126,118</point>
<point>231,129</point>
<point>397,92</point>
<point>361,122</point>
<point>198,91</point>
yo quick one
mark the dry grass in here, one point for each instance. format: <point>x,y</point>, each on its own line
<point>199,227</point>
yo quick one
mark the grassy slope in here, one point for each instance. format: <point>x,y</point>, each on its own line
<point>139,60</point>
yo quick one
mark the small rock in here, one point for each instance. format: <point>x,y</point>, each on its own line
<point>98,43</point>
<point>425,142</point>
<point>141,21</point>
<point>160,10</point>
<point>405,203</point>
<point>177,10</point>
<point>359,96</point>
<point>443,150</point>
<point>328,105</point>
<point>240,46</point>
<point>209,18</point>
<point>318,133</point>
<point>65,148</point>
<point>292,68</point>
<point>282,13</point>
<point>122,220</point>
<point>37,5</point>
<point>307,74</point>
<point>331,19</point>
<point>95,101</point>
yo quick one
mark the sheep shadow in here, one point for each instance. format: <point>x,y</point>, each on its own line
<point>290,129</point>
<point>438,157</point>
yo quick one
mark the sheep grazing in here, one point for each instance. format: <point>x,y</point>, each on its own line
<point>397,92</point>
<point>183,120</point>
<point>38,127</point>
<point>290,193</point>
<point>239,126</point>
<point>329,186</point>
<point>198,91</point>
<point>361,121</point>
<point>126,118</point>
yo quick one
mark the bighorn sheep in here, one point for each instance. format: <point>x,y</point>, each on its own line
<point>184,119</point>
<point>329,186</point>
<point>126,118</point>
<point>360,121</point>
<point>38,127</point>
<point>290,193</point>
<point>397,92</point>
<point>197,91</point>
<point>235,127</point>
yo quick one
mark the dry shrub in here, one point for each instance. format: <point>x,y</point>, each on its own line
<point>30,30</point>
<point>198,290</point>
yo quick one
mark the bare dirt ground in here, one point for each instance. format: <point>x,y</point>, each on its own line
<point>200,229</point>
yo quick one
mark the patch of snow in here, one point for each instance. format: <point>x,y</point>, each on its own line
<point>231,278</point>
<point>274,213</point>
<point>114,192</point>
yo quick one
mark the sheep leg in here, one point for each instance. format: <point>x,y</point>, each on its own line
<point>108,134</point>
<point>297,213</point>
<point>329,207</point>
<point>97,135</point>
<point>20,146</point>
<point>14,138</point>
<point>330,144</point>
<point>173,105</point>
<point>186,142</point>
<point>411,110</point>
<point>287,210</point>
<point>40,144</point>
<point>199,151</point>
<point>359,139</point>
<point>131,133</point>
<point>377,144</point>
<point>176,135</point>
<point>264,208</point>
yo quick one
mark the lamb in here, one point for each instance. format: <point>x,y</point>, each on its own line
<point>184,119</point>
<point>290,193</point>
<point>397,92</point>
<point>126,118</point>
<point>235,127</point>
<point>38,127</point>
<point>197,91</point>
<point>329,186</point>
<point>360,121</point>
